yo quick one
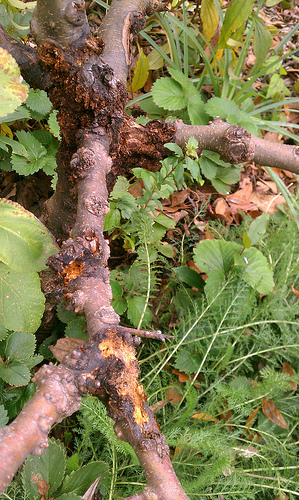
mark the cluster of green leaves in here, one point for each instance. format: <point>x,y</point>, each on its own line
<point>15,17</point>
<point>34,150</point>
<point>52,475</point>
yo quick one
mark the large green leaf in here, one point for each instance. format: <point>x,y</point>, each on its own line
<point>21,300</point>
<point>20,346</point>
<point>38,101</point>
<point>237,13</point>
<point>49,467</point>
<point>12,91</point>
<point>169,94</point>
<point>80,480</point>
<point>25,242</point>
<point>215,254</point>
<point>257,271</point>
<point>15,373</point>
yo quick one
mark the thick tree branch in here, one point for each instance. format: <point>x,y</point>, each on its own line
<point>236,145</point>
<point>56,397</point>
<point>26,59</point>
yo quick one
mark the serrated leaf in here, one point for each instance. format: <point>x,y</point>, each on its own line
<point>119,306</point>
<point>258,228</point>
<point>141,71</point>
<point>117,289</point>
<point>12,89</point>
<point>21,113</point>
<point>26,243</point>
<point>80,480</point>
<point>49,467</point>
<point>209,17</point>
<point>135,309</point>
<point>38,101</point>
<point>187,361</point>
<point>3,416</point>
<point>215,254</point>
<point>53,124</point>
<point>17,397</point>
<point>120,188</point>
<point>237,13</point>
<point>20,292</point>
<point>218,106</point>
<point>277,90</point>
<point>3,332</point>
<point>20,346</point>
<point>257,271</point>
<point>169,94</point>
<point>77,328</point>
<point>15,373</point>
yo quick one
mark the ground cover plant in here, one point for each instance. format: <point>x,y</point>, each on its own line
<point>202,237</point>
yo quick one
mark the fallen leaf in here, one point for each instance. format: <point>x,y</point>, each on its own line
<point>173,395</point>
<point>183,377</point>
<point>63,346</point>
<point>286,368</point>
<point>272,412</point>
<point>205,416</point>
<point>250,419</point>
<point>158,406</point>
<point>296,292</point>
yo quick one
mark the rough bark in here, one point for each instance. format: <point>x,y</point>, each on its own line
<point>85,78</point>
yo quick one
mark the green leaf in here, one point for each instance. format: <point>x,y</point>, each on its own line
<point>38,101</point>
<point>3,332</point>
<point>214,283</point>
<point>261,44</point>
<point>117,289</point>
<point>80,480</point>
<point>21,113</point>
<point>175,148</point>
<point>187,361</point>
<point>20,346</point>
<point>187,275</point>
<point>32,156</point>
<point>12,91</point>
<point>277,90</point>
<point>16,397</point>
<point>208,166</point>
<point>237,13</point>
<point>141,71</point>
<point>53,124</point>
<point>26,243</point>
<point>209,17</point>
<point>257,271</point>
<point>258,228</point>
<point>3,416</point>
<point>77,328</point>
<point>120,188</point>
<point>218,106</point>
<point>215,254</point>
<point>15,373</point>
<point>135,309</point>
<point>20,293</point>
<point>229,175</point>
<point>169,94</point>
<point>50,467</point>
<point>246,240</point>
<point>119,306</point>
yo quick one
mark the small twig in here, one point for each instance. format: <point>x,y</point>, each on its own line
<point>158,335</point>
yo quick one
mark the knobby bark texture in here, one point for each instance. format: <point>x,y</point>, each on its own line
<point>85,74</point>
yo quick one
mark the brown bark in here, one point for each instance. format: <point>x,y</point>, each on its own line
<point>86,83</point>
<point>56,397</point>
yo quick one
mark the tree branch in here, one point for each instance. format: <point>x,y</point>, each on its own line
<point>56,397</point>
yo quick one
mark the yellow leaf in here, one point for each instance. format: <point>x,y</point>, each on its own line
<point>141,72</point>
<point>209,17</point>
<point>155,60</point>
<point>204,416</point>
<point>6,130</point>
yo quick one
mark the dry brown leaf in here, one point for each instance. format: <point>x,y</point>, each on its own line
<point>158,406</point>
<point>183,377</point>
<point>272,412</point>
<point>273,137</point>
<point>250,419</point>
<point>296,292</point>
<point>43,488</point>
<point>179,197</point>
<point>173,395</point>
<point>63,346</point>
<point>205,416</point>
<point>286,368</point>
<point>267,202</point>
